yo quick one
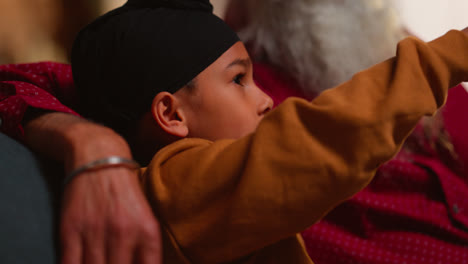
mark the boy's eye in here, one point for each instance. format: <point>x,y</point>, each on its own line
<point>238,79</point>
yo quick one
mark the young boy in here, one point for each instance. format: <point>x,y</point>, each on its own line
<point>229,182</point>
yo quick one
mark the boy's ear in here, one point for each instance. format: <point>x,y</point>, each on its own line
<point>168,115</point>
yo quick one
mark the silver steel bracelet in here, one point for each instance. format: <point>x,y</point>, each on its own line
<point>112,161</point>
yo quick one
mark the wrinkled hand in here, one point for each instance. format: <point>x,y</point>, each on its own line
<point>105,216</point>
<point>106,219</point>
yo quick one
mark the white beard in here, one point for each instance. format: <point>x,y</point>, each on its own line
<point>322,43</point>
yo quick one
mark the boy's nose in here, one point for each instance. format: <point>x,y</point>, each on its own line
<point>265,105</point>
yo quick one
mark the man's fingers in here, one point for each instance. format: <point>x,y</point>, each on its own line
<point>112,218</point>
<point>121,245</point>
<point>150,253</point>
<point>71,248</point>
<point>94,250</point>
<point>122,253</point>
<point>150,246</point>
<point>94,242</point>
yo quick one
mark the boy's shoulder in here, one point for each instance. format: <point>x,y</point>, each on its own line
<point>188,147</point>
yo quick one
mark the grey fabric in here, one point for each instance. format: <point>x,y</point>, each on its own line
<point>28,207</point>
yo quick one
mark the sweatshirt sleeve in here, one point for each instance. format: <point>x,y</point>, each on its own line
<point>230,198</point>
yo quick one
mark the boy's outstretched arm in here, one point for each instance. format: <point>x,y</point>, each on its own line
<point>105,217</point>
<point>221,201</point>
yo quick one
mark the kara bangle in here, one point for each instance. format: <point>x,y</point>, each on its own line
<point>112,161</point>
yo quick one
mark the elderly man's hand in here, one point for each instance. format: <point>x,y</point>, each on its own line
<point>106,219</point>
<point>105,216</point>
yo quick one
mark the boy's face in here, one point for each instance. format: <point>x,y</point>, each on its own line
<point>225,102</point>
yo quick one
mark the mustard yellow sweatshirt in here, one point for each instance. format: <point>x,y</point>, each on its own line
<point>246,200</point>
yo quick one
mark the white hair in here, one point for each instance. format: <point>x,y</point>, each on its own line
<point>322,43</point>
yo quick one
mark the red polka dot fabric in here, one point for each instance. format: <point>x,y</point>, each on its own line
<point>405,215</point>
<point>32,85</point>
<point>414,211</point>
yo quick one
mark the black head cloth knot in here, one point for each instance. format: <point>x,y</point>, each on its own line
<point>124,58</point>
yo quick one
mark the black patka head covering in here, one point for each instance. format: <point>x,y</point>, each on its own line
<point>124,58</point>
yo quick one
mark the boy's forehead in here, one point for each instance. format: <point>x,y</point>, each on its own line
<point>228,63</point>
<point>246,62</point>
<point>235,56</point>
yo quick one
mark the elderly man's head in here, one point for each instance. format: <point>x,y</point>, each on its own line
<point>319,42</point>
